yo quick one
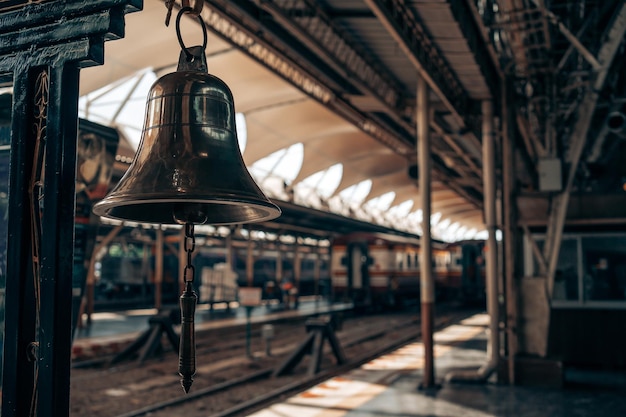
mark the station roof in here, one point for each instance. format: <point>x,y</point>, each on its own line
<point>327,92</point>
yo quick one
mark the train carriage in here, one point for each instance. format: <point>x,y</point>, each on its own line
<point>381,270</point>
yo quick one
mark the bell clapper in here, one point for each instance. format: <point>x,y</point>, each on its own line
<point>188,300</point>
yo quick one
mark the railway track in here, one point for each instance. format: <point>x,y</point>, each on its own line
<point>232,384</point>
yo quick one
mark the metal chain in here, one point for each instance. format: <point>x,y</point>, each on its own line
<point>190,246</point>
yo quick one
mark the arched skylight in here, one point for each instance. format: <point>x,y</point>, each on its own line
<point>348,201</point>
<point>381,203</point>
<point>401,210</point>
<point>276,172</point>
<point>356,193</point>
<point>416,216</point>
<point>325,182</point>
<point>460,233</point>
<point>453,227</point>
<point>284,164</point>
<point>397,216</point>
<point>318,186</point>
<point>443,225</point>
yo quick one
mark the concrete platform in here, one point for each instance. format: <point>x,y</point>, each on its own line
<point>388,387</point>
<point>110,332</point>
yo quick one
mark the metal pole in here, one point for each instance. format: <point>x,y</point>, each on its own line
<point>489,183</point>
<point>427,287</point>
<point>508,189</point>
<point>158,268</point>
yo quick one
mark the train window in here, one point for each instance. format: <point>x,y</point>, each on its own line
<point>400,261</point>
<point>591,270</point>
<point>604,268</point>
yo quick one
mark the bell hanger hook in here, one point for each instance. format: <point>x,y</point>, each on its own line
<point>190,56</point>
<point>169,4</point>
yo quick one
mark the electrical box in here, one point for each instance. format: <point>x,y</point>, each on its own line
<point>550,174</point>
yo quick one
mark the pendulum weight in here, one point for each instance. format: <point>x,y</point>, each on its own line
<point>188,300</point>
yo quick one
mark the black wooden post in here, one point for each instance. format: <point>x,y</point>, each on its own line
<point>56,260</point>
<point>42,47</point>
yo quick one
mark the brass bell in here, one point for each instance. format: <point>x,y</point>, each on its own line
<point>188,167</point>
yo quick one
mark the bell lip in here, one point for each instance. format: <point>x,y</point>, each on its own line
<point>102,208</point>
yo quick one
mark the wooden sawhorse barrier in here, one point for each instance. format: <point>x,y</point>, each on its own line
<point>318,329</point>
<point>149,342</point>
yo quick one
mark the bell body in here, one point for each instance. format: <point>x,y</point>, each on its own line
<point>188,167</point>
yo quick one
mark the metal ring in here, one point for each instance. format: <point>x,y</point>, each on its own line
<point>180,37</point>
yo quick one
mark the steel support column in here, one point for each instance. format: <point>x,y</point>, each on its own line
<point>493,308</point>
<point>509,232</point>
<point>427,285</point>
<point>489,181</point>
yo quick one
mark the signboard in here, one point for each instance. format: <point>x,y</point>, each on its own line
<point>6,5</point>
<point>250,296</point>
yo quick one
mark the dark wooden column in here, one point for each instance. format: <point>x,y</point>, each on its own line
<point>42,47</point>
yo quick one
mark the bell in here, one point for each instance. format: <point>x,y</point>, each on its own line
<point>188,167</point>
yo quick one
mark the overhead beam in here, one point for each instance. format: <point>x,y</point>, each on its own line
<point>321,35</point>
<point>464,13</point>
<point>584,52</point>
<point>425,57</point>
